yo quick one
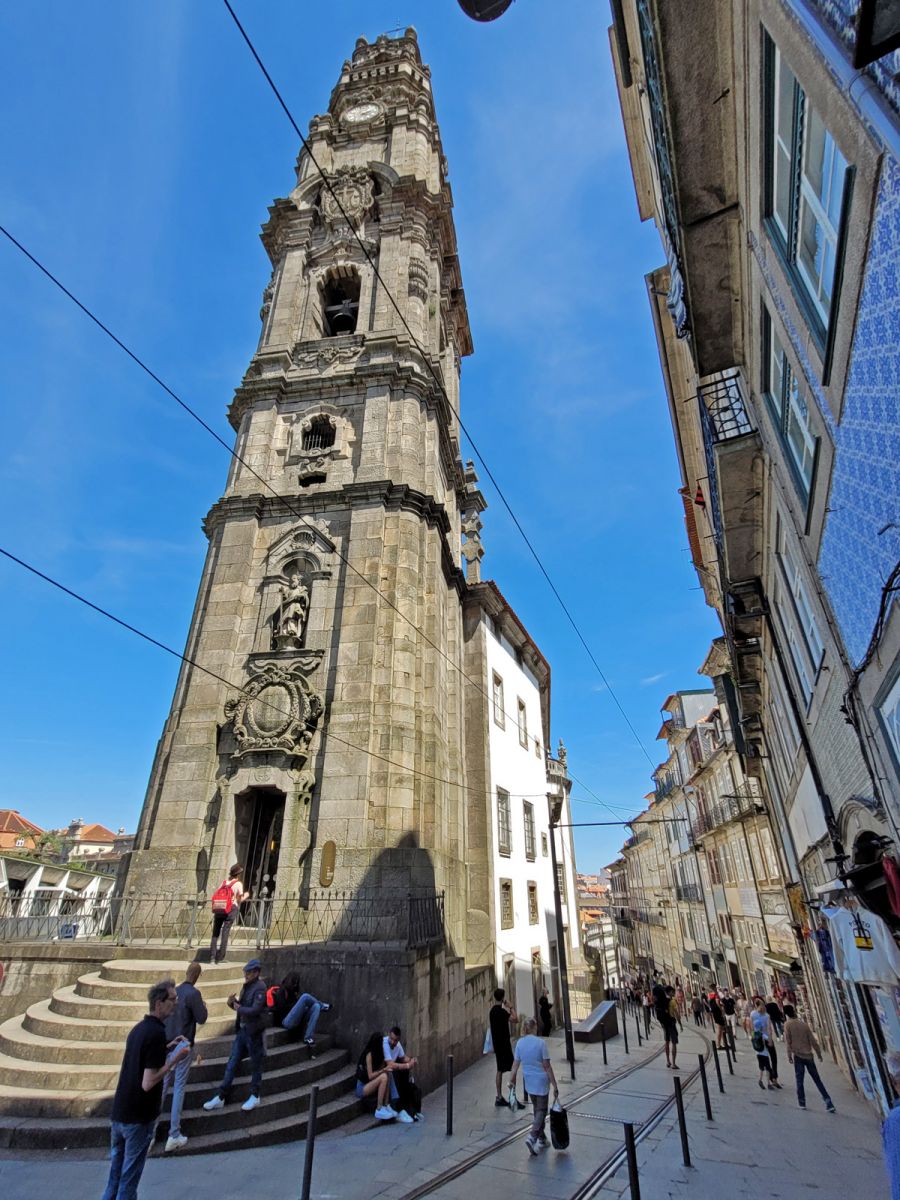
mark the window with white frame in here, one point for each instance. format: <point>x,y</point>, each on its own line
<point>790,410</point>
<point>787,740</point>
<point>523,724</point>
<point>803,668</point>
<point>807,192</point>
<point>530,842</point>
<point>504,822</point>
<point>889,715</point>
<point>533,912</point>
<point>499,714</point>
<point>769,855</point>
<point>789,562</point>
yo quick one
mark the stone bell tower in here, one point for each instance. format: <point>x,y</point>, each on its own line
<point>340,726</point>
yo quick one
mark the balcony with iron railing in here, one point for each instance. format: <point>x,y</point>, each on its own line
<point>745,801</point>
<point>735,471</point>
<point>636,839</point>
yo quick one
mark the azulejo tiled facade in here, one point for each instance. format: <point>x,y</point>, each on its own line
<point>862,534</point>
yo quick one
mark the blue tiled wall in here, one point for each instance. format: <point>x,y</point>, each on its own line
<point>865,494</point>
<point>841,16</point>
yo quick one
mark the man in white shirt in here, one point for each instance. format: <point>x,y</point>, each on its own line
<point>401,1078</point>
<point>534,1058</point>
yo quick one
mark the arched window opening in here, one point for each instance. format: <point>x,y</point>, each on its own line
<point>319,434</point>
<point>340,305</point>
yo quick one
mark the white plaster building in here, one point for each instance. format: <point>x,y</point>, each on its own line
<point>522,776</point>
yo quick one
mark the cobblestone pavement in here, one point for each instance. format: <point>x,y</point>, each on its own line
<point>759,1144</point>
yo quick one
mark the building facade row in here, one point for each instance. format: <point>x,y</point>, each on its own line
<point>764,141</point>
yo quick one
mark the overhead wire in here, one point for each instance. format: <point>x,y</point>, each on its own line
<point>153,641</point>
<point>187,408</point>
<point>440,384</point>
<point>233,453</point>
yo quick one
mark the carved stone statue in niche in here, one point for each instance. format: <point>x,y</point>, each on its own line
<point>291,615</point>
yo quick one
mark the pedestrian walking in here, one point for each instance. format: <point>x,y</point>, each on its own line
<point>544,1007</point>
<point>773,1008</point>
<point>668,1019</point>
<point>763,1042</point>
<point>138,1097</point>
<point>801,1045</point>
<point>890,1130</point>
<point>249,1038</point>
<point>190,1011</point>
<point>499,1018</point>
<point>534,1057</point>
<point>729,1008</point>
<point>226,904</point>
<point>697,1010</point>
<point>373,1077</point>
<point>718,1017</point>
<point>647,1005</point>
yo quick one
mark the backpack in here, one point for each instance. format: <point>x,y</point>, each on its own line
<point>757,1042</point>
<point>223,899</point>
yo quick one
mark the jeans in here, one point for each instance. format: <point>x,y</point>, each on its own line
<point>306,1004</point>
<point>128,1153</point>
<point>807,1064</point>
<point>540,1105</point>
<point>252,1044</point>
<point>222,923</point>
<point>178,1083</point>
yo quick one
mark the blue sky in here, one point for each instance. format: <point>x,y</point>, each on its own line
<point>140,151</point>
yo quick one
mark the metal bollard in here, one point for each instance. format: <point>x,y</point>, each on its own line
<point>631,1155</point>
<point>704,1082</point>
<point>637,1025</point>
<point>718,1068</point>
<point>728,1059</point>
<point>625,1032</point>
<point>310,1141</point>
<point>449,1095</point>
<point>682,1124</point>
<point>603,1042</point>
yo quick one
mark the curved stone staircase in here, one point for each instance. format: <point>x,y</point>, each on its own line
<point>59,1063</point>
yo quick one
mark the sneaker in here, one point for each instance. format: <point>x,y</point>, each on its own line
<point>385,1114</point>
<point>799,1105</point>
<point>773,1087</point>
<point>542,1138</point>
<point>250,1103</point>
<point>418,1117</point>
<point>326,1007</point>
<point>176,1143</point>
<point>830,1108</point>
<point>532,1144</point>
<point>404,1118</point>
<point>761,1084</point>
<point>500,1102</point>
<point>216,1102</point>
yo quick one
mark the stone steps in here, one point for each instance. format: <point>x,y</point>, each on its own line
<point>60,1061</point>
<point>95,987</point>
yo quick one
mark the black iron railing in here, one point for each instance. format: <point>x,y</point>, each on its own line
<point>744,801</point>
<point>408,918</point>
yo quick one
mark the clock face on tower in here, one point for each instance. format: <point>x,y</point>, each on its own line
<point>360,113</point>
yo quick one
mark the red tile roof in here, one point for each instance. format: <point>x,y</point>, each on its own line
<point>95,833</point>
<point>12,822</point>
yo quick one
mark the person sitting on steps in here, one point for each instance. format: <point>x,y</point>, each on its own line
<point>293,1009</point>
<point>373,1077</point>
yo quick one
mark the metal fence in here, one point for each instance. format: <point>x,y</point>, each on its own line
<point>406,918</point>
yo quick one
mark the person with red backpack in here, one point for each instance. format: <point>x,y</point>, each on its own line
<point>226,903</point>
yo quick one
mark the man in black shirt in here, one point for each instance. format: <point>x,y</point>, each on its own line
<point>138,1095</point>
<point>499,1019</point>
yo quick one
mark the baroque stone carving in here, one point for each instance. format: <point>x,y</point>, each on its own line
<point>267,300</point>
<point>418,279</point>
<point>290,619</point>
<point>351,190</point>
<point>275,711</point>
<point>325,356</point>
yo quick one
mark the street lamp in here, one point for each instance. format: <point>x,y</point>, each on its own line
<point>561,956</point>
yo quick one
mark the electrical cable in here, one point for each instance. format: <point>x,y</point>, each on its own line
<point>187,408</point>
<point>243,462</point>
<point>427,360</point>
<point>103,612</point>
